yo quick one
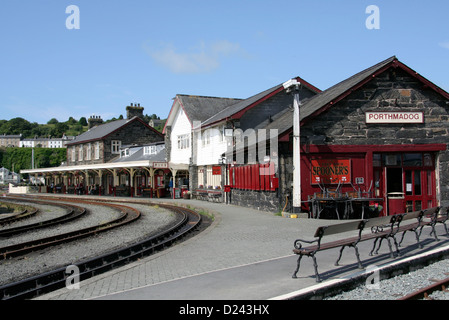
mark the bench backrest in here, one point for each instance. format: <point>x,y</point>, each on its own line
<point>339,228</point>
<point>413,215</point>
<point>444,211</point>
<point>380,221</point>
<point>431,212</point>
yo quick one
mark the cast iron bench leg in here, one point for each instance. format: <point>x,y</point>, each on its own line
<point>315,265</point>
<point>359,262</point>
<point>358,257</point>
<point>297,267</point>
<point>339,256</point>
<point>374,247</point>
<point>434,233</point>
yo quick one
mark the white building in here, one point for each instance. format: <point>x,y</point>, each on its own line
<point>7,176</point>
<point>45,142</point>
<point>199,130</point>
<point>186,113</point>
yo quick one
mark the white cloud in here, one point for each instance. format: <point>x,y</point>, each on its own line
<point>444,44</point>
<point>200,59</point>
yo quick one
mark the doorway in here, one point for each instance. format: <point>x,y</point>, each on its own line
<point>395,191</point>
<point>406,181</point>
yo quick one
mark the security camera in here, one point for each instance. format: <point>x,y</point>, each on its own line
<point>292,82</point>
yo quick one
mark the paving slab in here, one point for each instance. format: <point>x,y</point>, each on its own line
<point>245,255</point>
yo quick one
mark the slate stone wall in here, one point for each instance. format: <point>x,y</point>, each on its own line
<point>260,200</point>
<point>393,90</point>
<point>133,133</point>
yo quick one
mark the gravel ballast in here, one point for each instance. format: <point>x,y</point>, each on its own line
<point>153,220</point>
<point>401,285</point>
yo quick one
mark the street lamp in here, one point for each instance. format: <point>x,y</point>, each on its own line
<point>293,86</point>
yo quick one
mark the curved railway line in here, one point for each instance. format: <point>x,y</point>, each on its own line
<point>73,212</point>
<point>14,217</point>
<point>55,279</point>
<point>426,292</point>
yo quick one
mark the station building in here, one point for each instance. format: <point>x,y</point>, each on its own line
<point>125,157</point>
<point>379,137</point>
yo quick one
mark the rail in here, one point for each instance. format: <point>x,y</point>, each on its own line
<point>53,280</point>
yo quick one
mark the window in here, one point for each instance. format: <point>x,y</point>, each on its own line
<point>97,150</point>
<point>73,154</point>
<point>124,153</point>
<point>149,150</point>
<point>221,134</point>
<point>115,146</point>
<point>89,151</point>
<point>81,153</point>
<point>205,138</point>
<point>412,159</point>
<point>183,141</point>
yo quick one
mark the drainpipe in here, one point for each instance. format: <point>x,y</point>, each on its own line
<point>292,86</point>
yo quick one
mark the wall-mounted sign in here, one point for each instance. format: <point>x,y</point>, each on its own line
<point>160,165</point>
<point>331,171</point>
<point>216,171</point>
<point>394,117</point>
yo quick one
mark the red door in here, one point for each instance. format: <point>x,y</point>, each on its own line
<point>419,188</point>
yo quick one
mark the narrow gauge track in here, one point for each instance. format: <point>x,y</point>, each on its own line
<point>127,215</point>
<point>24,214</point>
<point>73,212</point>
<point>56,279</point>
<point>424,293</point>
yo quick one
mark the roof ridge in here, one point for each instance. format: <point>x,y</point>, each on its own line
<point>374,67</point>
<point>263,93</point>
<point>208,97</point>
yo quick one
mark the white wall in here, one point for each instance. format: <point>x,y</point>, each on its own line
<point>213,148</point>
<point>181,125</point>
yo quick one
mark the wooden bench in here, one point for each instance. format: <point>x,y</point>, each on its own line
<point>440,216</point>
<point>214,196</point>
<point>382,228</point>
<point>200,194</point>
<point>147,192</point>
<point>353,226</point>
<point>417,226</point>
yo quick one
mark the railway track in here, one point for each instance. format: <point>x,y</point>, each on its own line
<point>53,280</point>
<point>73,212</point>
<point>24,214</point>
<point>425,293</point>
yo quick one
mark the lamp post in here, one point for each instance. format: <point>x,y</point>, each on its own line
<point>293,86</point>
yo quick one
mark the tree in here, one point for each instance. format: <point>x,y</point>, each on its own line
<point>71,121</point>
<point>60,129</point>
<point>83,121</point>
<point>16,126</point>
<point>53,121</point>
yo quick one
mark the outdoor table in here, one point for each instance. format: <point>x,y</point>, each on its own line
<point>362,201</point>
<point>319,203</point>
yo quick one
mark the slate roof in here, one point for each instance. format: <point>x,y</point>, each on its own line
<point>241,105</point>
<point>200,108</point>
<point>236,107</point>
<point>98,132</point>
<point>139,156</point>
<point>326,97</point>
<point>103,130</point>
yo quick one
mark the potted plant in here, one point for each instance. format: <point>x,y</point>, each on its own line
<point>187,195</point>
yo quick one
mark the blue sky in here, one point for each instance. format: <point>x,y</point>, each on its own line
<point>145,51</point>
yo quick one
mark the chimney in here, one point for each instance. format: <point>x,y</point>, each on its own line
<point>94,121</point>
<point>134,111</point>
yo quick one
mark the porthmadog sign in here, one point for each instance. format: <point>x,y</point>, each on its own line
<point>394,117</point>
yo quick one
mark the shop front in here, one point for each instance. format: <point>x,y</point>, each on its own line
<point>361,181</point>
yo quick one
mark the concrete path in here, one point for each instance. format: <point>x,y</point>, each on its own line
<point>245,255</point>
